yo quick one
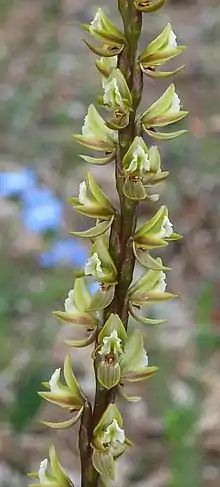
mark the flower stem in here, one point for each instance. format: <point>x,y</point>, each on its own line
<point>124,224</point>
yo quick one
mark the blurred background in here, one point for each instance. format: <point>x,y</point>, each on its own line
<point>48,79</point>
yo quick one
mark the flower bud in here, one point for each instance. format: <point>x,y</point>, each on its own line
<point>92,201</point>
<point>56,477</point>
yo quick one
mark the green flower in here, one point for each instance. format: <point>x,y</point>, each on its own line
<point>56,477</point>
<point>100,264</point>
<point>92,201</point>
<point>162,49</point>
<point>120,357</point>
<point>69,396</point>
<point>142,170</point>
<point>109,442</point>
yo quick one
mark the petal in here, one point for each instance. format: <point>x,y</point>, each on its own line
<point>57,470</point>
<point>71,380</point>
<point>160,74</point>
<point>164,135</point>
<point>82,343</point>
<point>142,375</point>
<point>143,320</point>
<point>96,231</point>
<point>101,299</point>
<point>99,161</point>
<point>145,259</point>
<point>83,319</point>
<point>64,424</point>
<point>115,51</point>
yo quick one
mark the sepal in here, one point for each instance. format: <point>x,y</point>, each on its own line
<point>164,135</point>
<point>104,464</point>
<point>151,73</point>
<point>145,259</point>
<point>105,51</point>
<point>96,231</point>
<point>102,298</point>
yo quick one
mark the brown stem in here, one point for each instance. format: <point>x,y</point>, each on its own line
<point>120,245</point>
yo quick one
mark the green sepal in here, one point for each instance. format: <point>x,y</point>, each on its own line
<point>123,395</point>
<point>99,161</point>
<point>108,374</point>
<point>103,463</point>
<point>58,472</point>
<point>133,352</point>
<point>144,321</point>
<point>147,7</point>
<point>64,424</point>
<point>98,193</point>
<point>143,375</point>
<point>71,381</point>
<point>164,135</point>
<point>102,298</point>
<point>100,51</point>
<point>112,323</point>
<point>109,414</point>
<point>160,74</point>
<point>81,294</point>
<point>86,319</point>
<point>96,231</point>
<point>134,189</point>
<point>67,401</point>
<point>106,32</point>
<point>141,299</point>
<point>82,343</point>
<point>145,259</point>
<point>95,144</point>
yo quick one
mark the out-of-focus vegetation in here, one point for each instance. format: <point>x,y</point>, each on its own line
<point>48,79</point>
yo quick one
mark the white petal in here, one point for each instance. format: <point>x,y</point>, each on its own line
<point>144,359</point>
<point>97,21</point>
<point>111,344</point>
<point>54,381</point>
<point>93,266</point>
<point>113,433</point>
<point>175,106</point>
<point>172,40</point>
<point>140,161</point>
<point>83,195</point>
<point>166,228</point>
<point>42,471</point>
<point>161,285</point>
<point>69,304</point>
<point>112,95</point>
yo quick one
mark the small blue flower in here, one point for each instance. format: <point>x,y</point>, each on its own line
<point>64,252</point>
<point>37,196</point>
<point>15,183</point>
<point>43,217</point>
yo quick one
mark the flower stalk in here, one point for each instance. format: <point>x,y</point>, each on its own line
<point>117,243</point>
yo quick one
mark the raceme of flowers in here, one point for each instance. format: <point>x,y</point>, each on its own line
<point>92,305</point>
